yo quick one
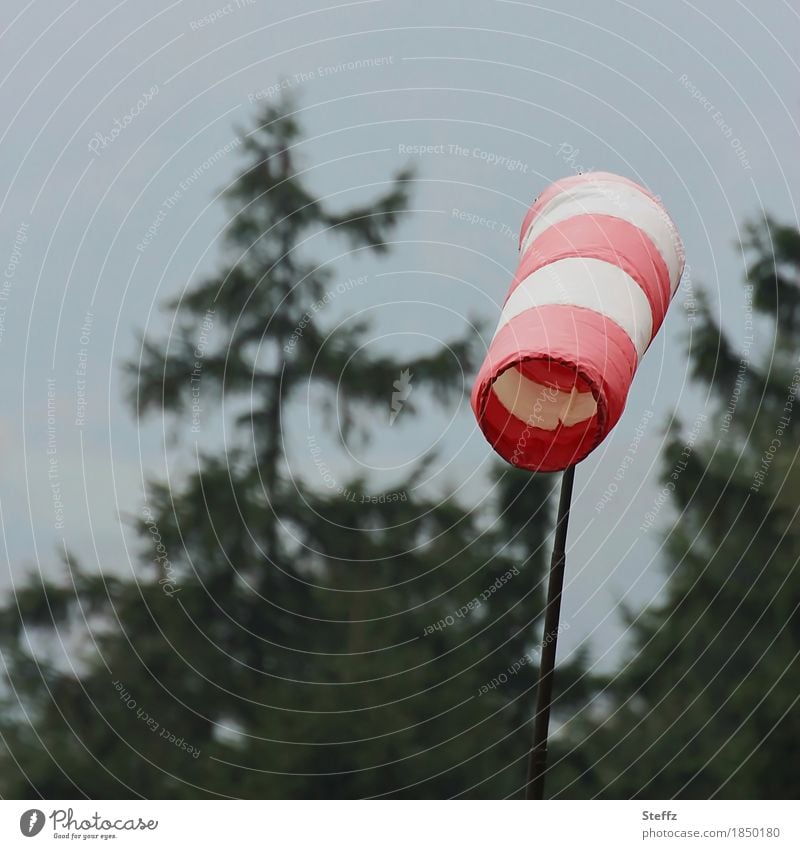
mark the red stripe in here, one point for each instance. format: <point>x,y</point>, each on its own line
<point>599,354</point>
<point>567,183</point>
<point>611,240</point>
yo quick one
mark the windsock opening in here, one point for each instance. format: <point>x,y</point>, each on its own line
<point>543,405</point>
<point>541,414</point>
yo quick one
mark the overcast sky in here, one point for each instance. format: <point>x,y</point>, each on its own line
<point>698,102</point>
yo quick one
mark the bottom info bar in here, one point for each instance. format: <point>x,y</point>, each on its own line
<point>402,824</point>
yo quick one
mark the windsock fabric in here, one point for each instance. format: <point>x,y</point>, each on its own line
<point>600,261</point>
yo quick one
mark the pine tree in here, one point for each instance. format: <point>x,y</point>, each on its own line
<point>283,638</point>
<point>707,704</point>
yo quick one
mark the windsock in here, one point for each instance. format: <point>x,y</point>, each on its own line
<point>600,261</point>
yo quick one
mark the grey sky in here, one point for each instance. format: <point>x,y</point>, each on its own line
<point>699,103</point>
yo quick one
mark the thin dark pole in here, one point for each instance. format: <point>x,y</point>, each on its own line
<point>537,763</point>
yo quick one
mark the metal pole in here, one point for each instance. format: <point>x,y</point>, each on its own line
<point>537,763</point>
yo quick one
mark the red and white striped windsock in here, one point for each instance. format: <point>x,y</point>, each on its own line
<point>600,260</point>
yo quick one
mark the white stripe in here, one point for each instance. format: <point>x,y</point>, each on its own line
<point>590,283</point>
<point>607,197</point>
<point>542,406</point>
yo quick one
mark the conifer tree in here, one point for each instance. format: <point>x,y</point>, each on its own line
<point>707,704</point>
<point>283,638</point>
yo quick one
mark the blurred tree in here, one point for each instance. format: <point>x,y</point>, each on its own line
<point>293,640</point>
<point>707,704</point>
